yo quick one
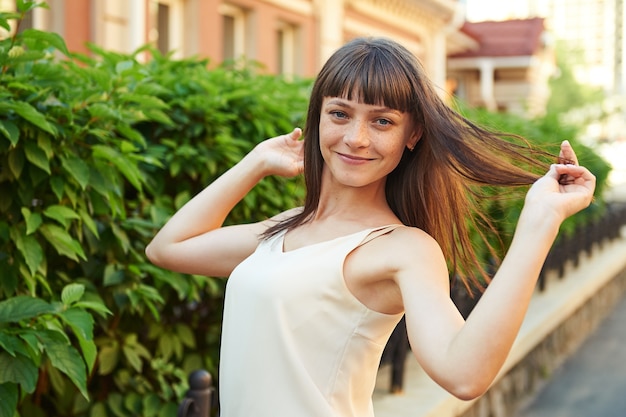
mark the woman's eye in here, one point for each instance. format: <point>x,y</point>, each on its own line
<point>338,114</point>
<point>384,122</point>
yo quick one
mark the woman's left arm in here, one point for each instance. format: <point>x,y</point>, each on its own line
<point>465,357</point>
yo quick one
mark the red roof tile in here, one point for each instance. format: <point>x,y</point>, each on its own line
<point>520,37</point>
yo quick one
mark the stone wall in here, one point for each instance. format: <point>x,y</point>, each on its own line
<point>522,382</point>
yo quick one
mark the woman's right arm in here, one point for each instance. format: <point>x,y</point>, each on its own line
<point>193,241</point>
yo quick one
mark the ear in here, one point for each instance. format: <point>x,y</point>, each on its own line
<point>415,137</point>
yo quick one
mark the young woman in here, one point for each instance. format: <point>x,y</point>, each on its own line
<point>315,292</point>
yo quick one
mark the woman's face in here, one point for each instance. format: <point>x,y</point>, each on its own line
<point>362,143</point>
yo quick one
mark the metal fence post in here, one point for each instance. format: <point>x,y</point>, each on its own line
<point>197,401</point>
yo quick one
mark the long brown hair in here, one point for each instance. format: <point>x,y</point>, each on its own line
<point>432,186</point>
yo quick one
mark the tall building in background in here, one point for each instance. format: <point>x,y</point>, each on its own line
<point>592,28</point>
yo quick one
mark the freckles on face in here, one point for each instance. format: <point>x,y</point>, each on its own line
<point>356,137</point>
<point>364,128</point>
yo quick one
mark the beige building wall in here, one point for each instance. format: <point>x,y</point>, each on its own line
<point>291,37</point>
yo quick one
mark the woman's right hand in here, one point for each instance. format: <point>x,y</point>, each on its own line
<point>282,155</point>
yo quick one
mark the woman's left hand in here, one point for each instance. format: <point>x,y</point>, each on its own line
<point>566,188</point>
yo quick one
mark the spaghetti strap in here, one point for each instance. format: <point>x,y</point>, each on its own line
<point>379,232</point>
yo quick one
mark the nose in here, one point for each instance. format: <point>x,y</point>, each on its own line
<point>356,134</point>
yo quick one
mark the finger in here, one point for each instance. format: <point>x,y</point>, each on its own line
<point>567,154</point>
<point>570,174</point>
<point>295,133</point>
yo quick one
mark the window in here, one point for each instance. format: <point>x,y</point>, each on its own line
<point>167,26</point>
<point>234,32</point>
<point>163,28</point>
<point>286,49</point>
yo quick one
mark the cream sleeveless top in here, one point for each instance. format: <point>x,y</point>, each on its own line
<point>295,341</point>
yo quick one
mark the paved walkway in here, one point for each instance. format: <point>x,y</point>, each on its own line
<point>592,382</point>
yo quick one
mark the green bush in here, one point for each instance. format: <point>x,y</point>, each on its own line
<point>96,152</point>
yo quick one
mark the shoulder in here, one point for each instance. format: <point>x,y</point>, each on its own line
<point>410,251</point>
<point>409,239</point>
<point>419,266</point>
<point>403,248</point>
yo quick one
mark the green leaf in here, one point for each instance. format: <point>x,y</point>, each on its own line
<point>130,133</point>
<point>124,66</point>
<point>98,75</point>
<point>158,116</point>
<point>16,162</point>
<point>132,357</point>
<point>185,334</point>
<point>80,321</point>
<point>8,404</point>
<point>28,112</point>
<point>54,334</point>
<point>115,403</point>
<point>104,112</point>
<point>112,275</point>
<point>57,381</point>
<point>72,293</point>
<point>50,38</point>
<point>43,141</point>
<point>37,156</point>
<point>58,185</point>
<point>90,353</point>
<point>124,165</point>
<point>32,252</point>
<point>67,360</point>
<point>121,236</point>
<point>33,220</point>
<point>62,214</point>
<point>166,345</point>
<point>32,343</point>
<point>134,351</point>
<point>18,370</point>
<point>78,169</point>
<point>23,307</point>
<point>10,343</point>
<point>10,130</point>
<point>99,308</point>
<point>109,357</point>
<point>98,410</point>
<point>24,6</point>
<point>89,222</point>
<point>168,409</point>
<point>151,405</point>
<point>81,324</point>
<point>62,242</point>
<point>146,101</point>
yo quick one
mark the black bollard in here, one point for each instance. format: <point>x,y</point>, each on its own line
<point>197,401</point>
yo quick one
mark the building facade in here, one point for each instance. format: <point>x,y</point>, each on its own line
<point>593,29</point>
<point>509,71</point>
<point>291,37</point>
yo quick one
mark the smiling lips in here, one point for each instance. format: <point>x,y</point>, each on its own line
<point>353,158</point>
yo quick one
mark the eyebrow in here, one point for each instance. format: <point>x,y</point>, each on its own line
<point>343,103</point>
